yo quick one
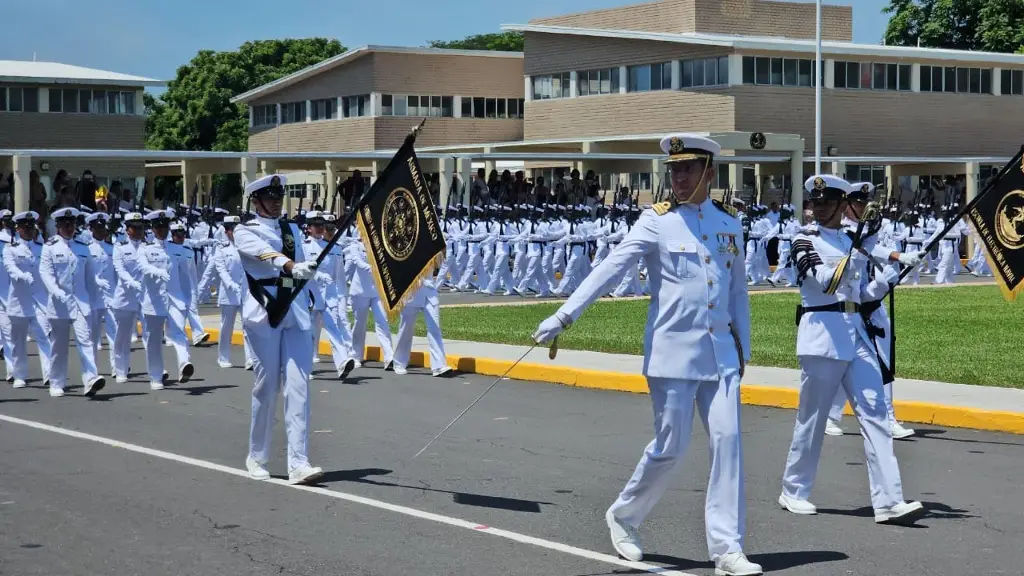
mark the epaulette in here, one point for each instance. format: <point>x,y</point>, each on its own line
<point>809,230</point>
<point>149,242</point>
<point>189,248</point>
<point>251,223</point>
<point>662,208</point>
<point>727,209</point>
<point>52,240</point>
<point>122,242</point>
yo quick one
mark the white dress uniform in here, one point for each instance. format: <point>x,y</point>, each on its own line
<point>230,296</point>
<point>65,268</point>
<point>424,300</point>
<point>327,300</point>
<point>284,355</point>
<point>102,254</point>
<point>24,303</point>
<point>365,299</point>
<point>696,343</point>
<point>5,288</point>
<point>126,302</point>
<point>834,349</point>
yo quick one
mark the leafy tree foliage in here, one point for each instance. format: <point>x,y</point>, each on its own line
<point>985,25</point>
<point>503,41</point>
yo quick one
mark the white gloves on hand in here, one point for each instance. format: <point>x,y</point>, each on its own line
<point>26,278</point>
<point>135,286</point>
<point>911,260</point>
<point>550,328</point>
<point>323,277</point>
<point>304,270</point>
<point>164,276</point>
<point>102,284</point>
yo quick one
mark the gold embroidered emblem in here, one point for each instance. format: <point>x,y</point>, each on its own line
<point>1009,220</point>
<point>819,183</point>
<point>400,224</point>
<point>676,145</point>
<point>662,208</point>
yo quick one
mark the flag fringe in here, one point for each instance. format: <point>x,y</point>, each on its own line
<point>1008,293</point>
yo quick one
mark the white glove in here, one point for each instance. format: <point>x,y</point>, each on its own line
<point>550,328</point>
<point>234,288</point>
<point>304,270</point>
<point>163,276</point>
<point>135,286</point>
<point>323,277</point>
<point>64,298</point>
<point>911,260</point>
<point>102,284</point>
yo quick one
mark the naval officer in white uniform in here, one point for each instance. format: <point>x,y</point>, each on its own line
<point>272,256</point>
<point>696,345</point>
<point>834,349</point>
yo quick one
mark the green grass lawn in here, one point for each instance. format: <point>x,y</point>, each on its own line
<point>968,335</point>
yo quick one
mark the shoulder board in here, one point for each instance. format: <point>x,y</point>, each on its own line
<point>149,243</point>
<point>662,208</point>
<point>183,247</point>
<point>809,230</point>
<point>251,223</point>
<point>122,242</point>
<point>83,242</point>
<point>727,209</point>
<point>224,244</point>
<point>52,240</point>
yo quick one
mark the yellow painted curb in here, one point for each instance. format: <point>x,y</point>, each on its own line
<point>751,394</point>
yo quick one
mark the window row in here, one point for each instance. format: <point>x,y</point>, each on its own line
<point>17,99</point>
<point>704,72</point>
<point>588,83</point>
<point>265,115</point>
<point>766,71</point>
<point>76,101</point>
<point>950,79</point>
<point>649,77</point>
<point>1012,82</point>
<point>493,107</point>
<point>438,106</point>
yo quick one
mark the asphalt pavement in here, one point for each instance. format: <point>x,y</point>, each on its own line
<point>153,483</point>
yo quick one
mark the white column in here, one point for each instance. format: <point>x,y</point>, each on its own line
<point>309,110</point>
<point>796,177</point>
<point>915,77</point>
<point>973,171</point>
<point>830,73</point>
<point>457,106</point>
<point>22,170</point>
<point>997,81</point>
<point>249,169</point>
<point>446,175</point>
<point>735,178</point>
<point>330,185</point>
<point>489,165</point>
<point>735,71</point>
<point>374,103</point>
<point>574,85</point>
<point>839,169</point>
<point>528,88</point>
<point>252,117</point>
<point>677,74</point>
<point>623,79</point>
<point>188,179</point>
<point>140,103</point>
<point>44,100</point>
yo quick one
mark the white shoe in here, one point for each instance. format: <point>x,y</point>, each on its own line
<point>736,564</point>
<point>203,338</point>
<point>223,364</point>
<point>797,506</point>
<point>121,379</point>
<point>305,475</point>
<point>625,538</point>
<point>400,371</point>
<point>156,385</point>
<point>904,513</point>
<point>56,392</point>
<point>443,371</point>
<point>833,429</point>
<point>316,359</point>
<point>899,432</point>
<point>20,384</point>
<point>95,386</point>
<point>256,470</point>
<point>248,365</point>
<point>135,339</point>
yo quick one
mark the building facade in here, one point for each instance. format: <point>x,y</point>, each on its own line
<point>45,105</point>
<point>370,98</point>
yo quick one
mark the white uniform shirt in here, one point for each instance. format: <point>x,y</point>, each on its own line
<point>259,243</point>
<point>102,254</point>
<point>128,292</point>
<point>27,293</point>
<point>232,277</point>
<point>66,271</point>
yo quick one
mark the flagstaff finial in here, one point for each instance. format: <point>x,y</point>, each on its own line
<point>416,129</point>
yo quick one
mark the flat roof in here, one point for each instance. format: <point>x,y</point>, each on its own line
<point>351,55</point>
<point>21,71</point>
<point>778,44</point>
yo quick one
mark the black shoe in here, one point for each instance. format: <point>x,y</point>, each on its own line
<point>186,372</point>
<point>96,386</point>
<point>390,366</point>
<point>349,366</point>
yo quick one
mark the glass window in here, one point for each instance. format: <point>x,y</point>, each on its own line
<point>387,106</point>
<point>686,73</point>
<point>30,96</point>
<point>99,101</point>
<point>402,105</point>
<point>926,79</point>
<point>467,107</point>
<point>805,68</point>
<point>748,69</point>
<point>492,108</point>
<point>70,101</point>
<point>513,108</point>
<point>963,82</point>
<point>698,74</point>
<point>975,80</point>
<point>616,81</point>
<point>950,74</point>
<point>478,108</point>
<point>84,99</point>
<point>986,80</point>
<point>763,71</point>
<point>502,113</point>
<point>128,102</point>
<point>891,77</point>
<point>937,77</point>
<point>3,98</point>
<point>656,78</point>
<point>723,70</point>
<point>776,71</point>
<point>606,81</point>
<point>55,99</point>
<point>1018,82</point>
<point>435,106</point>
<point>790,70</point>
<point>114,102</point>
<point>878,77</point>
<point>16,102</point>
<point>666,75</point>
<point>904,76</point>
<point>1004,81</point>
<point>640,78</point>
<point>447,106</point>
<point>522,107</point>
<point>566,84</point>
<point>594,79</point>
<point>840,74</point>
<point>710,73</point>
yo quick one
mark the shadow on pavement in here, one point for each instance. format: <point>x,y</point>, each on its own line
<point>19,400</point>
<point>936,434</point>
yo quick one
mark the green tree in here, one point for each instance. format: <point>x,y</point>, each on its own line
<point>985,25</point>
<point>196,113</point>
<point>502,41</point>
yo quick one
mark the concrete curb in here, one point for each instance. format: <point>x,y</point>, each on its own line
<point>752,394</point>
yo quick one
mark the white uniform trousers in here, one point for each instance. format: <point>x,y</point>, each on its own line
<point>5,333</point>
<point>501,276</point>
<point>535,278</point>
<point>944,270</point>
<point>719,406</point>
<point>574,273</point>
<point>125,323</point>
<point>407,327</point>
<point>97,327</point>
<point>227,328</point>
<point>283,364</point>
<point>442,273</point>
<point>862,381</point>
<point>338,334</point>
<point>194,321</point>
<point>783,270</point>
<point>59,343</point>
<point>474,266</point>
<point>175,335</point>
<point>20,327</point>
<point>361,306</point>
<point>518,266</point>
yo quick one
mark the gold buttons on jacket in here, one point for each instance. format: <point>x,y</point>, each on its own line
<point>682,248</point>
<point>710,283</point>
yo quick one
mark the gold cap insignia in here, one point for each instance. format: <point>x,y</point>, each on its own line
<point>864,188</point>
<point>275,181</point>
<point>676,145</point>
<point>819,183</point>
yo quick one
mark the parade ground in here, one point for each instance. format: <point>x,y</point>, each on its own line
<point>518,487</point>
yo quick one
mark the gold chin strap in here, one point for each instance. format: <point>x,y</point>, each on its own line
<point>676,201</point>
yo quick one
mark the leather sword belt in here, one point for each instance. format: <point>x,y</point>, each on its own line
<point>846,307</point>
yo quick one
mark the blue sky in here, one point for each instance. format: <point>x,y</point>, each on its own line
<point>153,37</point>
